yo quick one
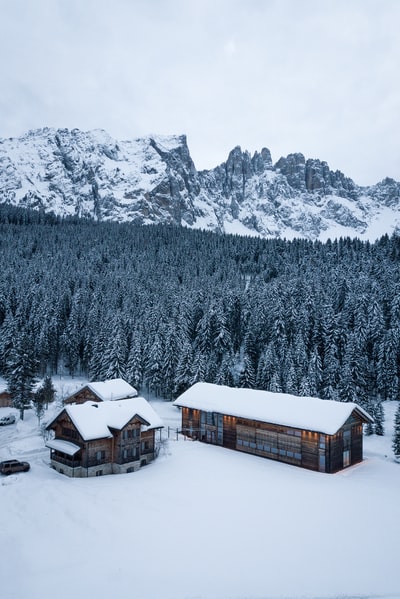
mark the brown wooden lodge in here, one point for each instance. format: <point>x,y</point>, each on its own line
<point>107,437</point>
<point>109,390</point>
<point>320,435</point>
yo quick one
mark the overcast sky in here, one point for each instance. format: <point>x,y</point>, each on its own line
<point>321,77</point>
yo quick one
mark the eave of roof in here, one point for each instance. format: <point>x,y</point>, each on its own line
<point>305,413</point>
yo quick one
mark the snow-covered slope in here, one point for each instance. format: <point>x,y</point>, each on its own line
<point>200,522</point>
<point>154,180</point>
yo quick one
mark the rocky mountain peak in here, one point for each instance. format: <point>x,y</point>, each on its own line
<point>154,180</point>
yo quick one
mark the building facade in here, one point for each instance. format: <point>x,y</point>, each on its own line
<point>316,434</point>
<point>109,390</point>
<point>94,439</point>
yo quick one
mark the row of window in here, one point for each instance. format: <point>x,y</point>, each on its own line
<point>269,449</point>
<point>131,433</point>
<point>131,452</point>
<point>69,432</point>
<point>255,437</point>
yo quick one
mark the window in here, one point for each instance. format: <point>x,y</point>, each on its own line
<point>134,433</point>
<point>293,432</point>
<point>100,456</point>
<point>69,432</point>
<point>346,458</point>
<point>271,443</point>
<point>322,462</point>
<point>220,429</point>
<point>99,472</point>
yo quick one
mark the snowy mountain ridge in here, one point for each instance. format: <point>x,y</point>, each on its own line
<point>154,180</point>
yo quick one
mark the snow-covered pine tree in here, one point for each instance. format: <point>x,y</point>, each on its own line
<point>39,404</point>
<point>396,436</point>
<point>21,369</point>
<point>116,350</point>
<point>184,373</point>
<point>378,416</point>
<point>134,367</point>
<point>247,378</point>
<point>369,428</point>
<point>47,390</point>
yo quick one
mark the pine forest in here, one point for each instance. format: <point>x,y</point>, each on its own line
<point>164,307</point>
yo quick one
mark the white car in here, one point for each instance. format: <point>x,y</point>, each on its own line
<point>9,419</point>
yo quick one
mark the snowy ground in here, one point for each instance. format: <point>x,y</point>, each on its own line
<point>201,522</point>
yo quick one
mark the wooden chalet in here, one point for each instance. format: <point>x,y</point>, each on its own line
<point>112,437</point>
<point>317,434</point>
<point>5,399</point>
<point>110,390</point>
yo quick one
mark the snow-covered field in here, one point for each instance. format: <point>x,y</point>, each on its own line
<point>201,522</point>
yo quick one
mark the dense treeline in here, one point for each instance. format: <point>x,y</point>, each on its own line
<point>164,307</point>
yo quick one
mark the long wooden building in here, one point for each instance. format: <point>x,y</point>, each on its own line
<point>312,433</point>
<point>108,437</point>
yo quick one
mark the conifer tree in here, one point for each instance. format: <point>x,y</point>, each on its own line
<point>369,428</point>
<point>184,374</point>
<point>396,436</point>
<point>247,378</point>
<point>47,390</point>
<point>21,374</point>
<point>39,403</point>
<point>379,418</point>
<point>134,367</point>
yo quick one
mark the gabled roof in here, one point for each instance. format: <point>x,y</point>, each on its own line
<point>110,390</point>
<point>306,413</point>
<point>95,420</point>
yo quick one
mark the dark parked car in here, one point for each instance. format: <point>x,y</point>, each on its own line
<point>9,419</point>
<point>11,466</point>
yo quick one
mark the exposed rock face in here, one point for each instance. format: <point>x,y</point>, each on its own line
<point>154,180</point>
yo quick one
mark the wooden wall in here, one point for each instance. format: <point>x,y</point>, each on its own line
<point>338,444</point>
<point>191,423</point>
<point>81,396</point>
<point>5,400</point>
<point>308,449</point>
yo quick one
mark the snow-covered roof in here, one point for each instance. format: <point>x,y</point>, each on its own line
<point>307,413</point>
<point>111,390</point>
<point>64,446</point>
<point>94,420</point>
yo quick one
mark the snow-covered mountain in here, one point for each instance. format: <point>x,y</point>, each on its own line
<point>154,180</point>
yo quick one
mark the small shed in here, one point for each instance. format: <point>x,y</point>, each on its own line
<point>109,390</point>
<point>312,433</point>
<point>96,438</point>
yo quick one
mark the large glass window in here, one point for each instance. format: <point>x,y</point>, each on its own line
<point>346,439</point>
<point>270,443</point>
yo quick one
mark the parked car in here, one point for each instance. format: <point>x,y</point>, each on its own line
<point>11,466</point>
<point>9,419</point>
